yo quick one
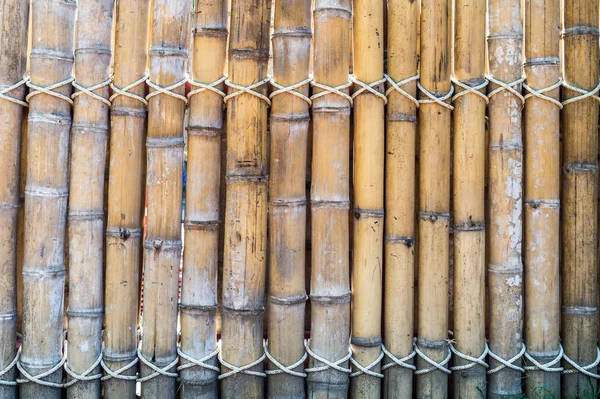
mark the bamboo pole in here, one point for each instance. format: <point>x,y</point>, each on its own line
<point>13,61</point>
<point>245,250</point>
<point>368,184</point>
<point>505,148</point>
<point>164,177</point>
<point>46,194</point>
<point>434,197</point>
<point>198,307</point>
<point>580,195</point>
<point>330,192</point>
<point>400,196</point>
<point>89,134</point>
<point>126,191</point>
<point>287,196</point>
<point>541,119</point>
<point>468,196</point>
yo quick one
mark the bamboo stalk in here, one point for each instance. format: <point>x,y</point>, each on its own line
<point>542,193</point>
<point>162,246</point>
<point>13,61</point>
<point>369,161</point>
<point>46,194</point>
<point>400,196</point>
<point>468,196</point>
<point>330,192</point>
<point>287,196</point>
<point>89,134</point>
<point>198,307</point>
<point>580,195</point>
<point>505,152</point>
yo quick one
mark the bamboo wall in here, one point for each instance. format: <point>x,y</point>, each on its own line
<point>296,199</point>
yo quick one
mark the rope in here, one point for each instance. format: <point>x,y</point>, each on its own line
<point>281,368</point>
<point>583,370</point>
<point>247,89</point>
<point>509,87</point>
<point>398,362</point>
<point>117,374</point>
<point>49,90</point>
<point>198,362</point>
<point>436,100</point>
<point>327,364</point>
<point>201,87</point>
<point>157,370</point>
<point>367,370</point>
<point>435,365</point>
<point>337,90</point>
<point>85,376</point>
<point>243,369</point>
<point>8,368</point>
<point>584,94</point>
<point>38,378</point>
<point>397,86</point>
<point>474,361</point>
<point>125,90</point>
<point>541,93</point>
<point>547,366</point>
<point>507,363</point>
<point>167,90</point>
<point>292,90</point>
<point>89,91</point>
<point>470,90</point>
<point>368,87</point>
<point>4,94</point>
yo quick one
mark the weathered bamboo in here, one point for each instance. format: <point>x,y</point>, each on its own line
<point>579,331</point>
<point>330,195</point>
<point>541,119</point>
<point>126,190</point>
<point>89,134</point>
<point>198,308</point>
<point>13,54</point>
<point>46,194</point>
<point>368,183</point>
<point>400,196</point>
<point>468,191</point>
<point>245,250</point>
<point>434,196</point>
<point>505,152</point>
<point>287,196</point>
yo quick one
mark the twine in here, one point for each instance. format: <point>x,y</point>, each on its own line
<point>473,361</point>
<point>397,86</point>
<point>247,89</point>
<point>584,94</point>
<point>117,374</point>
<point>368,87</point>
<point>157,370</point>
<point>198,362</point>
<point>541,93</point>
<point>8,368</point>
<point>49,90</point>
<point>38,378</point>
<point>4,95</point>
<point>435,365</point>
<point>436,100</point>
<point>582,369</point>
<point>292,90</point>
<point>368,369</point>
<point>509,87</point>
<point>328,365</point>
<point>547,366</point>
<point>281,368</point>
<point>337,90</point>
<point>167,90</point>
<point>89,91</point>
<point>470,90</point>
<point>507,363</point>
<point>202,87</point>
<point>125,90</point>
<point>242,369</point>
<point>85,376</point>
<point>398,362</point>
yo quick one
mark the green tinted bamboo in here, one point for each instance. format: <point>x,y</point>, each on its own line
<point>541,120</point>
<point>13,55</point>
<point>89,134</point>
<point>468,196</point>
<point>330,195</point>
<point>400,196</point>
<point>369,160</point>
<point>505,268</point>
<point>287,196</point>
<point>434,198</point>
<point>46,195</point>
<point>245,252</point>
<point>125,196</point>
<point>579,331</point>
<point>198,307</point>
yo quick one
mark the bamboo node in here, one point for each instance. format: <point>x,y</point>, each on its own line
<point>368,87</point>
<point>541,93</point>
<point>546,366</point>
<point>125,90</point>
<point>582,369</point>
<point>241,369</point>
<point>49,90</point>
<point>198,362</point>
<point>292,90</point>
<point>202,87</point>
<point>337,90</point>
<point>169,90</point>
<point>473,361</point>
<point>327,364</point>
<point>510,87</point>
<point>7,369</point>
<point>368,369</point>
<point>157,370</point>
<point>85,376</point>
<point>4,92</point>
<point>397,86</point>
<point>247,89</point>
<point>38,378</point>
<point>583,93</point>
<point>280,367</point>
<point>441,366</point>
<point>399,362</point>
<point>89,91</point>
<point>117,374</point>
<point>470,90</point>
<point>507,363</point>
<point>433,99</point>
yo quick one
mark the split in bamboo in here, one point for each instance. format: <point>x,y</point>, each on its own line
<point>13,42</point>
<point>245,247</point>
<point>287,196</point>
<point>198,308</point>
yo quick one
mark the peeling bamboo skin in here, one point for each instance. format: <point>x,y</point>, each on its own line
<point>580,195</point>
<point>13,60</point>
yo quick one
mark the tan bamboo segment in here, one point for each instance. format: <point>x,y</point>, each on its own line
<point>126,191</point>
<point>13,61</point>
<point>245,250</point>
<point>89,134</point>
<point>164,174</point>
<point>468,191</point>
<point>287,196</point>
<point>368,184</point>
<point>579,332</point>
<point>434,197</point>
<point>505,206</point>
<point>541,119</point>
<point>330,201</point>
<point>46,195</point>
<point>400,197</point>
<point>198,308</point>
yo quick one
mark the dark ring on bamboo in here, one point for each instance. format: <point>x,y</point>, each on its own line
<point>246,179</point>
<point>52,271</point>
<point>302,32</point>
<point>243,312</point>
<point>502,269</point>
<point>52,55</point>
<point>288,300</point>
<point>548,61</point>
<point>249,54</point>
<point>40,191</point>
<point>506,147</point>
<point>334,12</point>
<point>155,142</point>
<point>168,51</point>
<point>544,203</point>
<point>425,343</point>
<point>366,342</point>
<point>325,300</point>
<point>197,309</point>
<point>320,204</point>
<point>44,118</point>
<point>204,225</point>
<point>580,310</point>
<point>470,226</point>
<point>288,203</point>
<point>432,216</point>
<point>580,30</point>
<point>362,213</point>
<point>204,131</point>
<point>82,128</point>
<point>86,313</point>
<point>94,50</point>
<point>342,110</point>
<point>580,168</point>
<point>86,215</point>
<point>515,36</point>
<point>162,245</point>
<point>128,111</point>
<point>125,357</point>
<point>407,241</point>
<point>210,32</point>
<point>6,206</point>
<point>123,233</point>
<point>400,117</point>
<point>293,118</point>
<point>10,315</point>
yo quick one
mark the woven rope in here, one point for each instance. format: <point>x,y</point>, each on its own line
<point>280,367</point>
<point>198,362</point>
<point>436,100</point>
<point>202,87</point>
<point>473,361</point>
<point>157,370</point>
<point>242,369</point>
<point>38,378</point>
<point>434,365</point>
<point>337,90</point>
<point>247,89</point>
<point>89,91</point>
<point>396,361</point>
<point>507,363</point>
<point>582,369</point>
<point>49,90</point>
<point>368,369</point>
<point>368,88</point>
<point>4,92</point>
<point>125,90</point>
<point>85,376</point>
<point>541,93</point>
<point>397,86</point>
<point>118,374</point>
<point>327,364</point>
<point>8,368</point>
<point>291,90</point>
<point>470,90</point>
<point>509,87</point>
<point>583,93</point>
<point>167,90</point>
<point>547,366</point>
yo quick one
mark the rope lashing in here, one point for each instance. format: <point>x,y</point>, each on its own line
<point>546,366</point>
<point>157,370</point>
<point>4,93</point>
<point>397,86</point>
<point>509,87</point>
<point>337,90</point>
<point>400,362</point>
<point>327,364</point>
<point>49,90</point>
<point>241,369</point>
<point>8,368</point>
<point>248,90</point>
<point>198,362</point>
<point>541,93</point>
<point>436,100</point>
<point>38,378</point>
<point>582,369</point>
<point>583,93</point>
<point>291,90</point>
<point>89,91</point>
<point>85,376</point>
<point>368,369</point>
<point>280,367</point>
<point>368,88</point>
<point>167,90</point>
<point>202,87</point>
<point>441,366</point>
<point>473,361</point>
<point>470,90</point>
<point>125,90</point>
<point>118,374</point>
<point>507,363</point>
